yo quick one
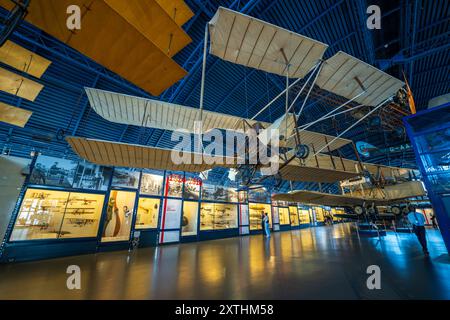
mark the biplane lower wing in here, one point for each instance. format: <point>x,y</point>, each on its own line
<point>310,172</point>
<point>319,198</point>
<point>117,154</point>
<point>390,195</point>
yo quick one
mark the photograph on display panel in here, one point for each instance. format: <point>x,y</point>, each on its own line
<point>151,184</point>
<point>52,171</point>
<point>208,191</point>
<point>192,188</point>
<point>125,178</point>
<point>92,177</point>
<point>119,216</point>
<point>259,195</point>
<point>174,186</point>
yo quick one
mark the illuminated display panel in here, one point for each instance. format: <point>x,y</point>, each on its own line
<point>49,214</point>
<point>218,216</point>
<point>284,216</point>
<point>293,212</point>
<point>189,219</point>
<point>147,213</point>
<point>119,216</point>
<point>304,216</point>
<point>256,211</point>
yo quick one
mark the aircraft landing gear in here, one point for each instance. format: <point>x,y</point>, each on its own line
<point>358,210</point>
<point>396,210</point>
<point>302,151</point>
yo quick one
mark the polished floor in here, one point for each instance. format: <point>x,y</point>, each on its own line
<point>316,263</point>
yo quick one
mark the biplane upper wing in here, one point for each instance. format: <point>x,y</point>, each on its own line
<point>244,40</point>
<point>347,76</point>
<point>136,156</point>
<point>130,110</point>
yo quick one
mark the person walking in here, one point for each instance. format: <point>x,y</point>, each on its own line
<point>266,225</point>
<point>433,221</point>
<point>417,220</point>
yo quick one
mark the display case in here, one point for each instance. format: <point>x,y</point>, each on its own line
<point>256,211</point>
<point>304,215</point>
<point>147,213</point>
<point>283,213</point>
<point>218,216</point>
<point>293,214</point>
<point>50,214</point>
<point>335,211</point>
<point>118,216</point>
<point>190,218</point>
<point>319,213</point>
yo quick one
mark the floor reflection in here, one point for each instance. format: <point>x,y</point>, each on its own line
<point>314,263</point>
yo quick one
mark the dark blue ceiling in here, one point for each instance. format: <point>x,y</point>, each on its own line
<point>414,38</point>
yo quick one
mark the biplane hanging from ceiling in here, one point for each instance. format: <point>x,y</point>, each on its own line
<point>362,197</point>
<point>240,39</point>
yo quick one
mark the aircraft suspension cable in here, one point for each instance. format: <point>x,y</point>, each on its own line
<point>353,125</point>
<point>332,114</point>
<point>281,94</point>
<point>309,92</point>
<point>307,125</point>
<point>303,88</point>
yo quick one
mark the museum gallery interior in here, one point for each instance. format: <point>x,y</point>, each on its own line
<point>246,141</point>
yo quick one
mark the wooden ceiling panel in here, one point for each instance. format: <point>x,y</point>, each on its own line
<point>153,22</point>
<point>19,86</point>
<point>109,39</point>
<point>178,10</point>
<point>13,115</point>
<point>22,59</point>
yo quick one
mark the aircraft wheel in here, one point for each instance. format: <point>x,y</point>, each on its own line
<point>302,151</point>
<point>405,209</point>
<point>359,210</point>
<point>396,210</point>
